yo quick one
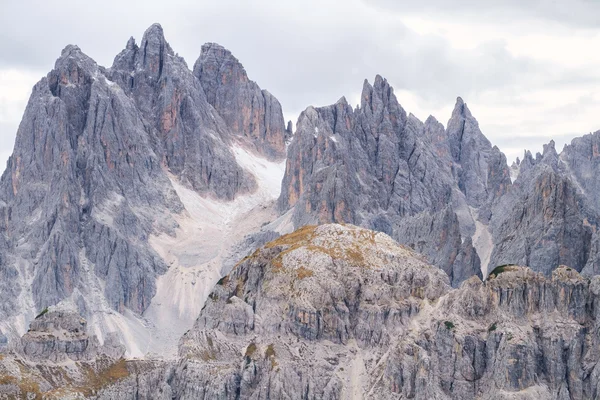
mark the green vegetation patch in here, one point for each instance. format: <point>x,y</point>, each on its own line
<point>44,311</point>
<point>502,268</point>
<point>270,354</point>
<point>250,350</point>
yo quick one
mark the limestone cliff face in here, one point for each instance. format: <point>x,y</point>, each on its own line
<point>380,168</point>
<point>338,311</point>
<point>249,112</point>
<point>189,136</point>
<point>482,172</point>
<point>548,218</point>
<point>82,164</point>
<point>91,178</point>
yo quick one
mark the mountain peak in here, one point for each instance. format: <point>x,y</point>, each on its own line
<point>382,85</point>
<point>379,96</point>
<point>461,109</point>
<point>342,100</point>
<point>73,67</point>
<point>379,80</point>
<point>253,115</point>
<point>69,50</point>
<point>155,30</point>
<point>549,148</point>
<point>215,58</point>
<point>154,47</point>
<point>131,44</point>
<point>73,52</point>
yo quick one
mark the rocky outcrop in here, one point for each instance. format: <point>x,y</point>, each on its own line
<point>249,112</point>
<point>380,168</point>
<point>546,219</point>
<point>496,340</point>
<point>60,335</point>
<point>92,178</point>
<point>337,311</point>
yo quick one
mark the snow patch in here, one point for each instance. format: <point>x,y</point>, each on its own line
<point>482,241</point>
<point>514,173</point>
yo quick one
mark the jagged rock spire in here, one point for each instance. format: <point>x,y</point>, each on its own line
<point>253,115</point>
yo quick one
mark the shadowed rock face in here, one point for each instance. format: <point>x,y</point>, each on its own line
<point>248,111</point>
<point>334,310</point>
<point>548,218</point>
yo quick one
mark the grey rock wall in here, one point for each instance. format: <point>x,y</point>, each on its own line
<point>248,111</point>
<point>90,176</point>
<point>378,167</point>
<point>382,326</point>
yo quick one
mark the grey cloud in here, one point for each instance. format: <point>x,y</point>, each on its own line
<point>305,54</point>
<point>570,13</point>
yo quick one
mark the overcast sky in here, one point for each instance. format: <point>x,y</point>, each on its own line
<point>528,69</point>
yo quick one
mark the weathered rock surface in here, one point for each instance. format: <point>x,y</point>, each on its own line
<point>550,215</point>
<point>81,166</point>
<point>58,335</point>
<point>92,175</point>
<point>190,137</point>
<point>380,168</point>
<point>248,111</point>
<point>335,311</point>
<point>481,171</point>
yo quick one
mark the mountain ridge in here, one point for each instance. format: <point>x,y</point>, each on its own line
<point>136,192</point>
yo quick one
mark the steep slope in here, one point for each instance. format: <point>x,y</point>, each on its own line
<point>248,111</point>
<point>338,311</point>
<point>550,216</point>
<point>188,134</point>
<point>104,162</point>
<point>379,168</point>
<point>481,172</point>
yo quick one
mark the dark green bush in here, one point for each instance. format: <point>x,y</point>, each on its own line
<point>44,311</point>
